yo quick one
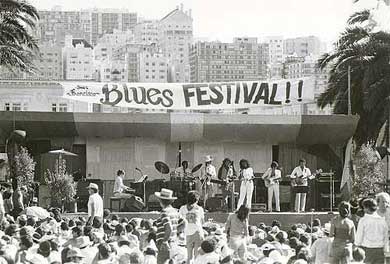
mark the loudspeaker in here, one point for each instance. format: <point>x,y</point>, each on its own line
<point>134,204</point>
<point>214,204</point>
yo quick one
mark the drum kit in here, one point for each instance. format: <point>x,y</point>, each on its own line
<point>179,181</point>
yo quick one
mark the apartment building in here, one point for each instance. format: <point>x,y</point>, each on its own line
<point>303,46</point>
<point>153,67</point>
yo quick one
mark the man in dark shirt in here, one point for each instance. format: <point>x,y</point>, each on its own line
<point>166,235</point>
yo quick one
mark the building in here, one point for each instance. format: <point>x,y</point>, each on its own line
<point>147,32</point>
<point>55,24</point>
<point>175,38</point>
<point>112,70</point>
<point>304,46</point>
<point>275,49</point>
<point>153,67</point>
<point>108,43</point>
<point>223,62</point>
<point>104,21</point>
<point>49,64</point>
<point>90,25</point>
<point>293,67</point>
<point>78,59</point>
<point>263,60</point>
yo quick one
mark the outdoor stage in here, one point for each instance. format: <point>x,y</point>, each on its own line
<point>286,218</point>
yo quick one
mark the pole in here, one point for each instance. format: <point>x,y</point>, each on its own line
<point>179,154</point>
<point>349,91</point>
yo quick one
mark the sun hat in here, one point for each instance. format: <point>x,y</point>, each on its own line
<point>208,158</point>
<point>82,242</point>
<point>165,194</point>
<point>93,186</point>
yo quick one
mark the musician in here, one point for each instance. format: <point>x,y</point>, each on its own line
<point>271,179</point>
<point>119,188</point>
<point>226,173</point>
<point>183,171</point>
<point>207,174</point>
<point>246,189</point>
<point>299,177</point>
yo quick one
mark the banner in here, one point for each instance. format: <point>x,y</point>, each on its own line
<point>192,96</point>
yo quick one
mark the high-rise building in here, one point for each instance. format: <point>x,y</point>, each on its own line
<point>78,59</point>
<point>303,46</point>
<point>153,67</point>
<point>49,63</point>
<point>146,32</point>
<point>111,70</point>
<point>263,58</point>
<point>175,38</point>
<point>223,62</point>
<point>275,49</point>
<point>104,21</point>
<point>108,43</point>
<point>90,25</point>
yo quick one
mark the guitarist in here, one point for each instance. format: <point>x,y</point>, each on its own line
<point>271,180</point>
<point>208,172</point>
<point>299,177</point>
<point>226,173</point>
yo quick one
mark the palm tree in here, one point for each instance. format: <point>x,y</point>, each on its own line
<point>17,44</point>
<point>367,54</point>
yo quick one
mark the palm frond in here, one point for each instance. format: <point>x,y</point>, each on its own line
<point>359,17</point>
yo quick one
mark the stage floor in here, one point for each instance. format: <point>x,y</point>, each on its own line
<point>286,218</point>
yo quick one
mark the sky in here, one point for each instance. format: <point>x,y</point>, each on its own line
<point>225,19</point>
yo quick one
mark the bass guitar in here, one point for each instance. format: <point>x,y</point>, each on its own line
<point>299,180</point>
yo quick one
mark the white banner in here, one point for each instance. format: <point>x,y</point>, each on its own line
<point>192,96</point>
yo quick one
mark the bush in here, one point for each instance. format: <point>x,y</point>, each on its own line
<point>61,186</point>
<point>368,171</point>
<point>24,170</point>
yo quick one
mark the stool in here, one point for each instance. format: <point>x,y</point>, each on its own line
<point>114,199</point>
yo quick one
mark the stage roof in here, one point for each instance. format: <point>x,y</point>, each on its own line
<point>175,127</point>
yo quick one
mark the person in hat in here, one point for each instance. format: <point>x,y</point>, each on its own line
<point>321,247</point>
<point>271,179</point>
<point>208,173</point>
<point>166,225</point>
<point>74,255</point>
<point>95,202</point>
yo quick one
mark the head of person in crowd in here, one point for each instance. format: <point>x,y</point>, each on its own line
<point>44,248</point>
<point>244,164</point>
<point>317,222</point>
<point>383,200</point>
<point>104,251</point>
<point>119,230</point>
<point>193,198</point>
<point>370,206</point>
<point>165,197</point>
<point>276,223</point>
<point>294,242</point>
<point>97,222</point>
<point>344,209</point>
<point>106,213</point>
<point>76,232</point>
<point>208,245</point>
<point>74,255</point>
<point>243,213</point>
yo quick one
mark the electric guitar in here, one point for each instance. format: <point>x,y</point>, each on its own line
<point>300,179</point>
<point>269,181</point>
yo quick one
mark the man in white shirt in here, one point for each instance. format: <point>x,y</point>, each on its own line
<point>119,187</point>
<point>271,179</point>
<point>299,177</point>
<point>95,203</point>
<point>372,233</point>
<point>209,172</point>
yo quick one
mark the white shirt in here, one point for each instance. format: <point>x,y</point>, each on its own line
<point>372,232</point>
<point>193,218</point>
<point>247,174</point>
<point>95,201</point>
<point>299,172</point>
<point>267,174</point>
<point>118,185</point>
<point>209,258</point>
<point>209,169</point>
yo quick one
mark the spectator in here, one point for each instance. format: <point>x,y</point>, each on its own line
<point>358,256</point>
<point>208,254</point>
<point>237,231</point>
<point>321,247</point>
<point>372,233</point>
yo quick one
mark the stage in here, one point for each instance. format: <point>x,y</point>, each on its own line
<point>286,218</point>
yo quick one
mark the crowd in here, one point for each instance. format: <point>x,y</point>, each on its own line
<point>358,234</point>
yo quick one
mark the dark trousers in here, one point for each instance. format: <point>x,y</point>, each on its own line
<point>374,255</point>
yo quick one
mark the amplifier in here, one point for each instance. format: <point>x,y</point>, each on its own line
<point>214,204</point>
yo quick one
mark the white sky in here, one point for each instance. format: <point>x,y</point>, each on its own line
<point>225,19</point>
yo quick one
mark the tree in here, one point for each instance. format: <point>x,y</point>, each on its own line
<point>17,44</point>
<point>61,186</point>
<point>367,53</point>
<point>24,170</point>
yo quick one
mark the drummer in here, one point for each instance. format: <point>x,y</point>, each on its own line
<point>183,171</point>
<point>119,188</point>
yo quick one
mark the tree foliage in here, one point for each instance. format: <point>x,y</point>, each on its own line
<point>367,54</point>
<point>25,167</point>
<point>61,186</point>
<point>368,172</point>
<point>17,44</point>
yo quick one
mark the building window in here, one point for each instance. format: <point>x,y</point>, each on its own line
<point>54,107</point>
<point>63,107</point>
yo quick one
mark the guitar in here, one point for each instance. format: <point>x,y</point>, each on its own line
<point>300,179</point>
<point>268,182</point>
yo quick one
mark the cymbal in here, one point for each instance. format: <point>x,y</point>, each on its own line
<point>161,167</point>
<point>196,168</point>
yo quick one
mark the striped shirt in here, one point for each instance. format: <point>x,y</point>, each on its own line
<point>168,216</point>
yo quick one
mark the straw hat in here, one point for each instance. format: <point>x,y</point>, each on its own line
<point>165,194</point>
<point>208,158</point>
<point>93,186</point>
<point>75,252</point>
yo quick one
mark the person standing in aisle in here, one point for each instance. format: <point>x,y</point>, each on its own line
<point>95,203</point>
<point>246,188</point>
